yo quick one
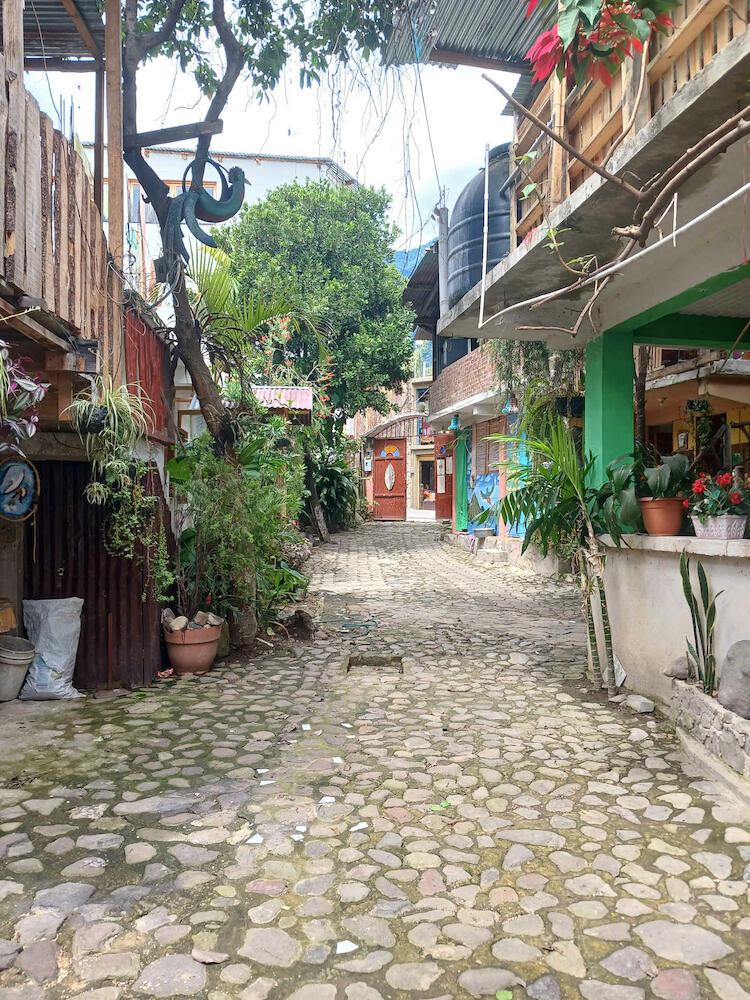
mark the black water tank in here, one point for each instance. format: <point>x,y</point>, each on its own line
<point>466,234</point>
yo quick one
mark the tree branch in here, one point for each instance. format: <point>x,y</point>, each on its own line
<point>635,192</point>
<point>149,40</point>
<point>235,56</point>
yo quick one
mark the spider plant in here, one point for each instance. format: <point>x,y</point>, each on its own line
<point>548,492</point>
<point>122,417</point>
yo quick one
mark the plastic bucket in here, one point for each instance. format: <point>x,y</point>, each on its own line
<point>15,658</point>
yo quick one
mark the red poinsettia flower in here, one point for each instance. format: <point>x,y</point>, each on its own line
<point>725,479</point>
<point>685,503</point>
<point>545,54</point>
<point>735,497</point>
<point>699,486</point>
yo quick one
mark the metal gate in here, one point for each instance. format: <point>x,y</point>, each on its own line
<point>389,474</point>
<point>443,477</point>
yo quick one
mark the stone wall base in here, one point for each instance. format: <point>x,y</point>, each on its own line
<point>721,732</point>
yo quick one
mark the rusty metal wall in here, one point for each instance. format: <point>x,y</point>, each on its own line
<point>147,364</point>
<point>65,557</point>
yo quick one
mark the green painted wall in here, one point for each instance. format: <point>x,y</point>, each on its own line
<point>459,453</point>
<point>609,400</point>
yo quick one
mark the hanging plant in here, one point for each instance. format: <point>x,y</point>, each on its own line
<point>701,411</point>
<point>112,420</point>
<point>21,395</point>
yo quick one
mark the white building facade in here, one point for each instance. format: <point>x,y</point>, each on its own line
<point>263,173</point>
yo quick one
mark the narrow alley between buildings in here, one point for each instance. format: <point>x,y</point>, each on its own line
<point>429,801</point>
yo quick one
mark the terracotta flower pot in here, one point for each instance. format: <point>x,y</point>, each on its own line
<point>663,516</point>
<point>193,651</point>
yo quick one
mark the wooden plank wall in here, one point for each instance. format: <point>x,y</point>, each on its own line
<point>53,243</point>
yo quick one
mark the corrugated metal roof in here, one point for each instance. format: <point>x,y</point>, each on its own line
<point>49,32</point>
<point>287,397</point>
<point>484,29</point>
<point>422,292</point>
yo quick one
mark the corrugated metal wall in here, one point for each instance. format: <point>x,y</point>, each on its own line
<point>65,557</point>
<point>147,364</point>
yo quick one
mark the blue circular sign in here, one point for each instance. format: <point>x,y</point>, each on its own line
<point>19,489</point>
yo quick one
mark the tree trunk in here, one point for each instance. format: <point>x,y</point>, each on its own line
<point>187,334</point>
<point>640,395</point>
<point>317,517</point>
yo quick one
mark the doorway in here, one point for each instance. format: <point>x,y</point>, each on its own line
<point>426,484</point>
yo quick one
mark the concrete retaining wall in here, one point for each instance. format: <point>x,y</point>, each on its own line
<point>648,613</point>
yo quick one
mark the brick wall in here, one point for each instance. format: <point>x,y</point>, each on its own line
<point>467,377</point>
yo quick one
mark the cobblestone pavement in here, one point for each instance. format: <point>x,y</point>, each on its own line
<point>480,823</point>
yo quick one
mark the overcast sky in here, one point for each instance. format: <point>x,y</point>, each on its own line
<point>373,123</point>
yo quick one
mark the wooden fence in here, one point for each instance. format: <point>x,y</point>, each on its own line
<point>54,248</point>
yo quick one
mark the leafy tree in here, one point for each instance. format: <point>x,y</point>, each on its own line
<point>220,42</point>
<point>331,249</point>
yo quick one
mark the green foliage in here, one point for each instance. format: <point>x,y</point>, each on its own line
<point>335,481</point>
<point>268,35</point>
<point>701,411</point>
<point>332,249</point>
<point>701,657</point>
<point>645,475</point>
<point>237,517</point>
<point>521,364</point>
<point>548,490</point>
<point>236,323</point>
<point>112,420</point>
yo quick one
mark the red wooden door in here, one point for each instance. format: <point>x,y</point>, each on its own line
<point>443,477</point>
<point>389,474</point>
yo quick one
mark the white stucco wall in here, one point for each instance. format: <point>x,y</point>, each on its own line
<point>649,616</point>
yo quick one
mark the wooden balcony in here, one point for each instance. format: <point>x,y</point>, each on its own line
<point>592,117</point>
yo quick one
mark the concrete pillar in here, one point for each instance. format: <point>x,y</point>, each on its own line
<point>609,400</point>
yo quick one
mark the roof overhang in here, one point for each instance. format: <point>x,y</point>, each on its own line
<point>58,33</point>
<point>489,34</point>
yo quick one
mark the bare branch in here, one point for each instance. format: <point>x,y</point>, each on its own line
<point>635,192</point>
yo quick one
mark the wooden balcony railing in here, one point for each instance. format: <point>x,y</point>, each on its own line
<point>55,250</point>
<point>593,116</point>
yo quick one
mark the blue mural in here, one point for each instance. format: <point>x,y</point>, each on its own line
<point>483,494</point>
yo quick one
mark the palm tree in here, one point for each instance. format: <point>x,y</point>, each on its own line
<point>232,326</point>
<point>561,512</point>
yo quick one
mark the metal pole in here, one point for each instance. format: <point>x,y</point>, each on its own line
<point>443,260</point>
<point>486,229</point>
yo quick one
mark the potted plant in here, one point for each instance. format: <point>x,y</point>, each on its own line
<point>192,636</point>
<point>655,486</point>
<point>719,506</point>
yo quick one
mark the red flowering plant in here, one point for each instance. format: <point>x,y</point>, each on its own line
<point>714,496</point>
<point>592,38</point>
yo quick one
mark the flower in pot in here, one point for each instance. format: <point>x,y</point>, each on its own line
<point>719,506</point>
<point>650,491</point>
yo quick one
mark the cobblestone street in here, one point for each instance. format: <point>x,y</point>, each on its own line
<point>314,826</point>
